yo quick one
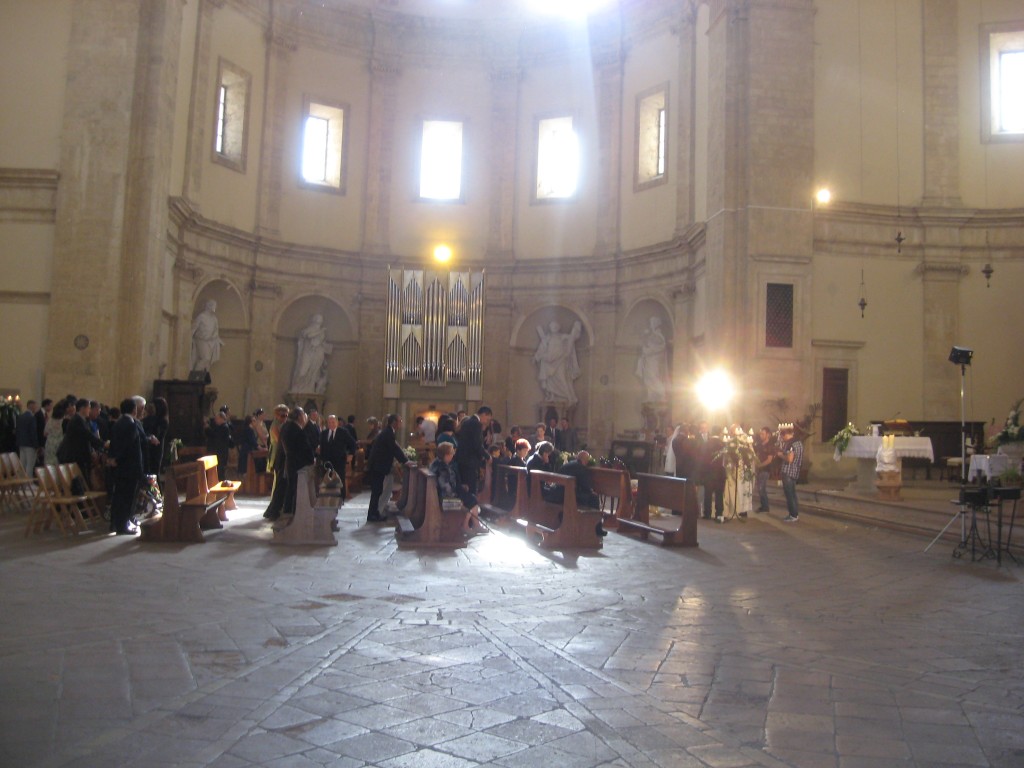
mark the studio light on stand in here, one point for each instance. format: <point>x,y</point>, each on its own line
<point>960,356</point>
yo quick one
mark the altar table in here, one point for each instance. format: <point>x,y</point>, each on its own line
<point>864,448</point>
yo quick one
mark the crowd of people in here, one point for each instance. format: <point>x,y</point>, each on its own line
<point>699,454</point>
<point>115,447</point>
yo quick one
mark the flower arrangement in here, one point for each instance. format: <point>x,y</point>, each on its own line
<point>1011,431</point>
<point>737,453</point>
<point>841,439</point>
<point>173,446</point>
<point>412,454</point>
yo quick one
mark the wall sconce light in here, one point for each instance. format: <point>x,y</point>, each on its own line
<point>823,196</point>
<point>442,254</point>
<point>987,272</point>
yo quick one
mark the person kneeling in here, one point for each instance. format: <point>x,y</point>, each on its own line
<point>449,487</point>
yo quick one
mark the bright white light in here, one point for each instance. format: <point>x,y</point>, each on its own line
<point>824,196</point>
<point>570,9</point>
<point>558,158</point>
<point>441,160</point>
<point>715,390</point>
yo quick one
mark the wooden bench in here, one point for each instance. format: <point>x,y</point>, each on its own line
<point>560,526</point>
<point>424,522</point>
<point>674,493</point>
<point>502,504</point>
<point>256,483</point>
<point>615,491</point>
<point>183,520</point>
<point>225,489</point>
<point>315,515</point>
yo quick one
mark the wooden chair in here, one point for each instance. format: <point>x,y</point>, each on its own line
<point>55,505</point>
<point>17,489</point>
<point>614,489</point>
<point>96,501</point>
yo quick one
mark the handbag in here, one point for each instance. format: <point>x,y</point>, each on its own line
<point>331,481</point>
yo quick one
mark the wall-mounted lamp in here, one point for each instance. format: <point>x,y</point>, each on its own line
<point>442,254</point>
<point>987,272</point>
<point>823,196</point>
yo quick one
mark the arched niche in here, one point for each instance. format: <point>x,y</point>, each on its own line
<point>339,394</point>
<point>227,375</point>
<point>643,351</point>
<point>526,397</point>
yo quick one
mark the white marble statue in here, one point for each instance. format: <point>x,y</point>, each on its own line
<point>206,341</point>
<point>558,364</point>
<point>652,364</point>
<point>312,349</point>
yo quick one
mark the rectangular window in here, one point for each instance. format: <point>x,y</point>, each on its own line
<point>835,389</point>
<point>232,116</point>
<point>323,146</point>
<point>441,160</point>
<point>1002,82</point>
<point>651,138</point>
<point>778,319</point>
<point>558,159</point>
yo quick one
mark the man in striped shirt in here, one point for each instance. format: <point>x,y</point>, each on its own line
<point>792,455</point>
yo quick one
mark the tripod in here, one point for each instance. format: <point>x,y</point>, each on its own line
<point>963,506</point>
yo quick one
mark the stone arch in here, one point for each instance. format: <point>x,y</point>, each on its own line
<point>341,361</point>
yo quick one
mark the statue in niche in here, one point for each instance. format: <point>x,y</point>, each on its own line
<point>652,364</point>
<point>206,341</point>
<point>312,349</point>
<point>558,364</point>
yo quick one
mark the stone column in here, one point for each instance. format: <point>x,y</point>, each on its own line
<point>276,110</point>
<point>502,150</point>
<point>265,301</point>
<point>608,84</point>
<point>941,104</point>
<point>682,108</point>
<point>112,215</point>
<point>384,74</point>
<point>600,400</point>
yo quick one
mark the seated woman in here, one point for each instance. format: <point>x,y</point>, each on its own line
<point>449,487</point>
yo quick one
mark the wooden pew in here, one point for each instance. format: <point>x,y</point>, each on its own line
<point>560,526</point>
<point>315,515</point>
<point>424,522</point>
<point>211,485</point>
<point>183,520</point>
<point>502,504</point>
<point>674,493</point>
<point>613,486</point>
<point>256,483</point>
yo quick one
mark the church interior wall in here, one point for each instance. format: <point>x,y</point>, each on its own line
<point>317,217</point>
<point>868,107</point>
<point>416,224</point>
<point>868,122</point>
<point>229,196</point>
<point>649,215</point>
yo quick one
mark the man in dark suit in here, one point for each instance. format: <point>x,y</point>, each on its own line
<point>79,441</point>
<point>711,471</point>
<point>472,453</point>
<point>220,441</point>
<point>297,454</point>
<point>383,453</point>
<point>336,444</point>
<point>126,459</point>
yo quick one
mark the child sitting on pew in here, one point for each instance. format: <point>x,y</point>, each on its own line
<point>449,487</point>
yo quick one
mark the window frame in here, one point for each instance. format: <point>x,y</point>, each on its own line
<point>235,122</point>
<point>535,176</point>
<point>339,188</point>
<point>648,109</point>
<point>989,50</point>
<point>418,192</point>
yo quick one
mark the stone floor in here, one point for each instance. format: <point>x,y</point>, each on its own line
<point>814,644</point>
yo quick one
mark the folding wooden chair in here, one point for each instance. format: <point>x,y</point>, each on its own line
<point>55,506</point>
<point>96,501</point>
<point>17,489</point>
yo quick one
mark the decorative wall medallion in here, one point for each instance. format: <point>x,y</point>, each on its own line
<point>81,341</point>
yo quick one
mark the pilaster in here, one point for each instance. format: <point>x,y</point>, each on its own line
<point>280,47</point>
<point>504,109</point>
<point>608,83</point>
<point>384,73</point>
<point>941,103</point>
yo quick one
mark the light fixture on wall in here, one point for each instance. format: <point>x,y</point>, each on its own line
<point>442,253</point>
<point>863,301</point>
<point>987,271</point>
<point>899,228</point>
